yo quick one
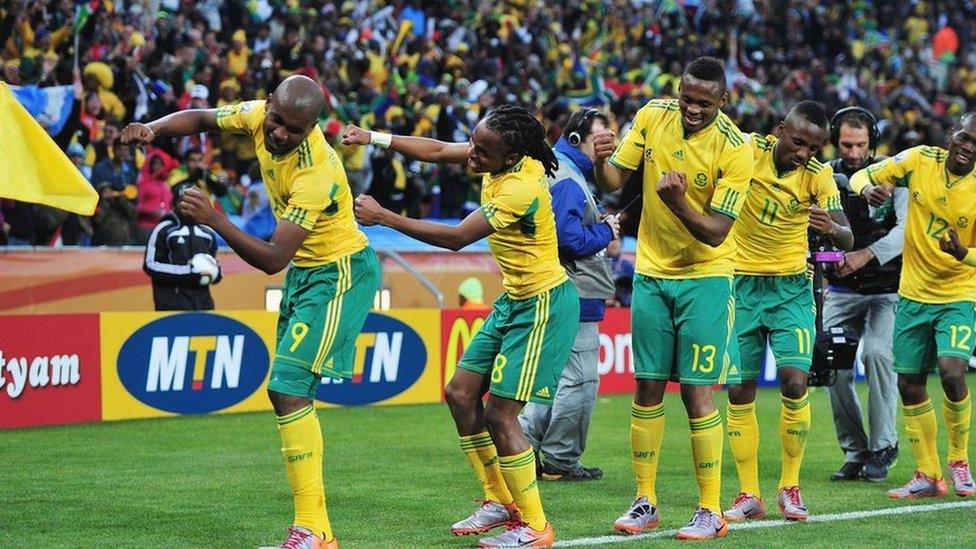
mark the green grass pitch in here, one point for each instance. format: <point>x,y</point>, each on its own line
<point>395,477</point>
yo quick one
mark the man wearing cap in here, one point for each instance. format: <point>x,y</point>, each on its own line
<point>559,433</point>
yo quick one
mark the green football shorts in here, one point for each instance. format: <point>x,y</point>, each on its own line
<point>681,329</point>
<point>924,332</point>
<point>524,344</point>
<point>777,309</point>
<point>322,311</point>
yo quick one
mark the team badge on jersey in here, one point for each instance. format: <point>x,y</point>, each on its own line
<point>701,179</point>
<point>963,222</point>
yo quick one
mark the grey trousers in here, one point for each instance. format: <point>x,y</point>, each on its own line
<point>559,432</point>
<point>873,316</point>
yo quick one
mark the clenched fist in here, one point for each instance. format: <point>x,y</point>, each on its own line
<point>137,133</point>
<point>672,188</point>
<point>876,195</point>
<point>950,244</point>
<point>354,135</point>
<point>603,145</point>
<point>368,210</point>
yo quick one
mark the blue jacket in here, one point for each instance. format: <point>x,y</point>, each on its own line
<point>575,239</point>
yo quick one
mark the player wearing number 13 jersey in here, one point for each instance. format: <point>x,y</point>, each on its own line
<point>935,317</point>
<point>697,168</point>
<point>791,191</point>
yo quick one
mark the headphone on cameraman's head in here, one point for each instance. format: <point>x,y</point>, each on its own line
<point>874,134</point>
<point>578,125</point>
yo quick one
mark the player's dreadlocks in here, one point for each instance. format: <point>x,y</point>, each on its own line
<point>523,134</point>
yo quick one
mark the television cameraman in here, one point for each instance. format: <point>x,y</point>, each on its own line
<point>861,296</point>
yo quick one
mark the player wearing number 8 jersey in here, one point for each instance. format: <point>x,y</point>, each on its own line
<point>791,191</point>
<point>329,287</point>
<point>935,317</point>
<point>519,353</point>
<point>697,168</point>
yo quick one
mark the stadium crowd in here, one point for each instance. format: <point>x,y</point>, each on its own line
<point>433,68</point>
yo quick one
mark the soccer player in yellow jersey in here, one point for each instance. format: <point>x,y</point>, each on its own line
<point>519,353</point>
<point>697,168</point>
<point>935,317</point>
<point>329,287</point>
<point>791,191</point>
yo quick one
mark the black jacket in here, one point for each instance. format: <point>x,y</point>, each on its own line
<point>172,244</point>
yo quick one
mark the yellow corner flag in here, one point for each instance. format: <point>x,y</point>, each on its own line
<point>33,168</point>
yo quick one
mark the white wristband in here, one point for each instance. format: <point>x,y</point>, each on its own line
<point>381,139</point>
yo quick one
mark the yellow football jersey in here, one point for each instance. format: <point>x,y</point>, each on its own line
<point>306,186</point>
<point>937,200</point>
<point>771,234</point>
<point>517,205</point>
<point>718,165</point>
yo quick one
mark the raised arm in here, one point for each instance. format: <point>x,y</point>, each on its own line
<point>172,125</point>
<point>609,177</point>
<point>419,148</point>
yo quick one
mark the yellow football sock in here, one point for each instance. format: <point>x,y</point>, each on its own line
<point>483,457</point>
<point>920,425</point>
<point>706,451</point>
<point>744,440</point>
<point>519,473</point>
<point>301,439</point>
<point>957,417</point>
<point>794,426</point>
<point>646,433</point>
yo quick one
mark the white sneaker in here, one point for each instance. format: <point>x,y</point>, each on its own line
<point>641,516</point>
<point>490,515</point>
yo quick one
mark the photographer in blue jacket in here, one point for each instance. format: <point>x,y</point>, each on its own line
<point>559,433</point>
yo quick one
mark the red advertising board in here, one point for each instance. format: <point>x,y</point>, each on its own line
<point>49,370</point>
<point>616,359</point>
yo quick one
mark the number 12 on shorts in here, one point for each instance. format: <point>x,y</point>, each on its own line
<point>959,336</point>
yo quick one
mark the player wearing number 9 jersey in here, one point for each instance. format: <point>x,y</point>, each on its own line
<point>790,192</point>
<point>329,288</point>
<point>935,317</point>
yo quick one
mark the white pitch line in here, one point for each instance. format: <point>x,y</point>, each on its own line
<point>854,515</point>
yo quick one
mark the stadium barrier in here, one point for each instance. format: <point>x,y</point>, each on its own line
<point>74,368</point>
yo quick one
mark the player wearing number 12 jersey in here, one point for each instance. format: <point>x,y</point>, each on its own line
<point>791,191</point>
<point>935,316</point>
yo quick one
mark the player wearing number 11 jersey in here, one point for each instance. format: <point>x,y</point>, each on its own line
<point>935,316</point>
<point>790,191</point>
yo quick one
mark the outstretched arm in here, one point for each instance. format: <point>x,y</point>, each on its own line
<point>172,125</point>
<point>453,237</point>
<point>419,148</point>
